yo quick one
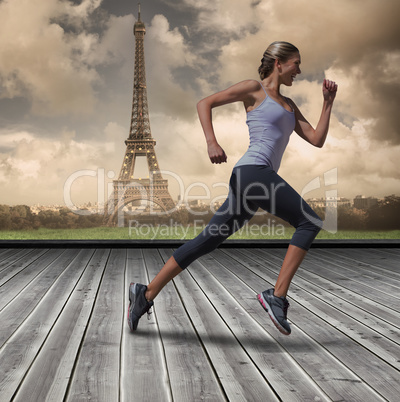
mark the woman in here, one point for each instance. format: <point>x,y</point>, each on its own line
<point>254,183</point>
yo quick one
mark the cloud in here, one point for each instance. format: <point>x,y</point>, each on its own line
<point>9,139</point>
<point>111,47</point>
<point>364,166</point>
<point>372,92</point>
<point>227,17</point>
<point>168,60</point>
<point>40,61</point>
<point>35,169</point>
<point>78,13</point>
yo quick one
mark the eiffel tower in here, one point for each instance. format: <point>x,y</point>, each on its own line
<point>128,189</point>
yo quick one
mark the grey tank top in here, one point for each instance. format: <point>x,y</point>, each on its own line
<point>270,126</point>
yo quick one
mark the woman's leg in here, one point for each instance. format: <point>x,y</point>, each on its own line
<point>292,208</point>
<point>269,191</point>
<point>141,296</point>
<point>294,257</point>
<point>167,273</point>
<point>274,300</point>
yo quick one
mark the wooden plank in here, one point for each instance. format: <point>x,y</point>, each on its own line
<point>48,377</point>
<point>144,375</point>
<point>389,259</point>
<point>368,262</point>
<point>318,364</point>
<point>32,267</point>
<point>97,372</point>
<point>5,252</point>
<point>16,312</point>
<point>241,380</point>
<point>357,285</point>
<point>376,281</point>
<point>14,264</point>
<point>190,373</point>
<point>9,256</point>
<point>389,252</point>
<point>18,353</point>
<point>381,377</point>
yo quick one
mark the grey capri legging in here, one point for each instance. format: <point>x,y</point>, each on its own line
<point>253,187</point>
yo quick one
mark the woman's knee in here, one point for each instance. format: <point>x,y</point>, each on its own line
<point>306,231</point>
<point>312,223</point>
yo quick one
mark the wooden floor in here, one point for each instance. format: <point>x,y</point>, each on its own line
<point>64,336</point>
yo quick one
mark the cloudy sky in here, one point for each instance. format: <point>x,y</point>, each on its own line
<point>66,74</point>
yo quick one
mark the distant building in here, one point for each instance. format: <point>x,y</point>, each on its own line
<point>344,202</point>
<point>316,202</point>
<point>362,202</point>
<point>331,202</point>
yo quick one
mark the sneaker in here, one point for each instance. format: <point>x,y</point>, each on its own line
<point>277,309</point>
<point>138,304</point>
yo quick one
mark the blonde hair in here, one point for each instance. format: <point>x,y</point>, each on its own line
<point>279,50</point>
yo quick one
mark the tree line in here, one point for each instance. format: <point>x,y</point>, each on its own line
<point>385,215</point>
<point>20,217</point>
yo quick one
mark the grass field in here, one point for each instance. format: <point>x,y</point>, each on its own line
<point>181,233</point>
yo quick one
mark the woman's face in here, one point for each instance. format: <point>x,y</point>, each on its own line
<point>290,69</point>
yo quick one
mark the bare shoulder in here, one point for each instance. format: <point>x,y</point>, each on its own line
<point>254,94</point>
<point>242,91</point>
<point>249,85</point>
<point>246,90</point>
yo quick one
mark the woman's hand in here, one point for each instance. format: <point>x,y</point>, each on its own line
<point>216,153</point>
<point>329,89</point>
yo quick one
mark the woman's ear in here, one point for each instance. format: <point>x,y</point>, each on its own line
<point>278,64</point>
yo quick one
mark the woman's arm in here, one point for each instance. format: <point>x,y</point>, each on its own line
<point>304,129</point>
<point>238,92</point>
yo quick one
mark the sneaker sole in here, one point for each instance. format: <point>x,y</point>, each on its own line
<point>268,309</point>
<point>132,296</point>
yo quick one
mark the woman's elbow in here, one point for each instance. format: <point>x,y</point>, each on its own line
<point>315,142</point>
<point>203,104</point>
<point>199,103</point>
<point>319,144</point>
<point>318,140</point>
